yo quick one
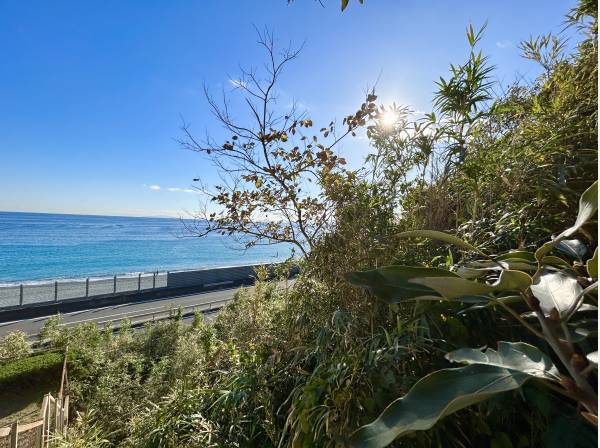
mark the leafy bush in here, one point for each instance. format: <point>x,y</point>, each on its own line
<point>30,370</point>
<point>14,346</point>
<point>546,284</point>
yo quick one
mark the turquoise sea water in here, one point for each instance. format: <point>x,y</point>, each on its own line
<point>37,246</point>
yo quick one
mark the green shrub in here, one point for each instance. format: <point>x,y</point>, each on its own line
<point>14,346</point>
<point>31,370</point>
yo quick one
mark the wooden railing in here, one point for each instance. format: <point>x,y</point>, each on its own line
<point>54,418</point>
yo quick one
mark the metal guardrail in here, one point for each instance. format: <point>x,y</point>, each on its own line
<point>57,290</point>
<point>17,295</point>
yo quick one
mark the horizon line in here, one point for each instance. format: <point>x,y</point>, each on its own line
<point>93,214</point>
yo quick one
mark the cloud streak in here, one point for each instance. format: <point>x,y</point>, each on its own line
<point>182,190</point>
<point>156,187</point>
<point>504,44</point>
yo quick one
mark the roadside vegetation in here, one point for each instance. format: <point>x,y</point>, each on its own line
<point>448,289</point>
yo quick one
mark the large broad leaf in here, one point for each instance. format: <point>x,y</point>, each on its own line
<point>520,254</point>
<point>479,268</point>
<point>556,290</point>
<point>512,280</point>
<point>392,283</point>
<point>437,235</point>
<point>512,355</point>
<point>588,206</point>
<point>447,391</point>
<point>433,397</point>
<point>557,262</point>
<point>453,288</point>
<point>573,248</point>
<point>592,265</point>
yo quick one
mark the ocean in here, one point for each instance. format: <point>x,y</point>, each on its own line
<point>43,246</point>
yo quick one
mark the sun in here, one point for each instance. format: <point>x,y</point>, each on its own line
<point>389,118</point>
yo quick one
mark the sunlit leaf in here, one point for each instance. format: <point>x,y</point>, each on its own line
<point>512,280</point>
<point>512,355</point>
<point>479,268</point>
<point>573,248</point>
<point>588,206</point>
<point>556,290</point>
<point>592,265</point>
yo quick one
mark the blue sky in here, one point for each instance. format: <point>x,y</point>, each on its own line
<point>92,92</point>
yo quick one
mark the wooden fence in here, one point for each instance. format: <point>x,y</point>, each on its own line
<point>54,418</point>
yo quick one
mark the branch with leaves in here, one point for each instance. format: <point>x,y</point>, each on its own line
<point>275,169</point>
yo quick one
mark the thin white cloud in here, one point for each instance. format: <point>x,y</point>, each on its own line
<point>182,190</point>
<point>504,43</point>
<point>152,187</point>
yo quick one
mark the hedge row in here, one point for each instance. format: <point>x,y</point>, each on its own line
<point>31,370</point>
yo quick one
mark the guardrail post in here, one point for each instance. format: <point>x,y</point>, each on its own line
<point>115,284</point>
<point>21,294</point>
<point>14,435</point>
<point>139,281</point>
<point>87,287</point>
<point>55,291</point>
<point>153,280</point>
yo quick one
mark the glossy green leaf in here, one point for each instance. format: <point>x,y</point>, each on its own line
<point>588,206</point>
<point>392,283</point>
<point>435,396</point>
<point>521,254</point>
<point>512,280</point>
<point>556,290</point>
<point>573,248</point>
<point>593,357</point>
<point>512,355</point>
<point>592,265</point>
<point>551,260</point>
<point>453,288</point>
<point>437,235</point>
<point>479,268</point>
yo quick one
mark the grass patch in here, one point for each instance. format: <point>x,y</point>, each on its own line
<point>31,370</point>
<point>23,384</point>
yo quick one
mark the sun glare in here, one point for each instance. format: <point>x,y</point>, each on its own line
<point>389,118</point>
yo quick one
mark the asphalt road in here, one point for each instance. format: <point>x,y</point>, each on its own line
<point>137,312</point>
